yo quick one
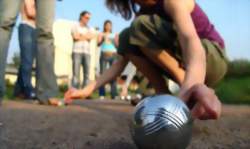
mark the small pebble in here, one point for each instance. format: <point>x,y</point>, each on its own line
<point>88,143</point>
<point>93,135</point>
<point>53,143</point>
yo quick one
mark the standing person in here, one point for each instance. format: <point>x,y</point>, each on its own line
<point>46,85</point>
<point>172,38</point>
<point>82,34</point>
<point>108,42</point>
<point>27,42</point>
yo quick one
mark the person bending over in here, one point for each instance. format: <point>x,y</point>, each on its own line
<point>174,39</point>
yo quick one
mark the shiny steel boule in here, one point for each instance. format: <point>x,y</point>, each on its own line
<point>161,122</point>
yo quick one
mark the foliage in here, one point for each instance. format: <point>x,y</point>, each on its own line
<point>238,68</point>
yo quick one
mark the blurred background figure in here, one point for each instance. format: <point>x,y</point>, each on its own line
<point>135,86</point>
<point>82,35</point>
<point>28,47</point>
<point>46,85</point>
<point>130,74</point>
<point>108,42</point>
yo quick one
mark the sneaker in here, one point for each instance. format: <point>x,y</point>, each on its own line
<point>19,96</point>
<point>32,96</point>
<point>123,97</point>
<point>128,97</point>
<point>52,102</point>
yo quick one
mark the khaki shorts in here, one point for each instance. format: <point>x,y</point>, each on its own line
<point>154,33</point>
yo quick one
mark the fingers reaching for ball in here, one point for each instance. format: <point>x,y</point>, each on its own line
<point>203,102</point>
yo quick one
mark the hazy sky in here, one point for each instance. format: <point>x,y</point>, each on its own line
<point>230,17</point>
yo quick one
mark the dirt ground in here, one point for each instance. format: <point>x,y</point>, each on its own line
<point>105,125</point>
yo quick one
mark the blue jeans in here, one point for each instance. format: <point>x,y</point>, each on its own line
<point>105,63</point>
<point>28,48</point>
<point>80,59</point>
<point>46,85</point>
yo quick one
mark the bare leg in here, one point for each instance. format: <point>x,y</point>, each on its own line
<point>150,71</point>
<point>167,62</point>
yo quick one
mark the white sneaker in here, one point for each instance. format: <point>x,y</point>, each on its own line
<point>123,97</point>
<point>128,97</point>
<point>139,96</point>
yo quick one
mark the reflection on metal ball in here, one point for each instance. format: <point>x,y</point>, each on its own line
<point>161,122</point>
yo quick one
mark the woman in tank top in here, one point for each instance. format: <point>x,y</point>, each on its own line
<point>173,39</point>
<point>108,42</point>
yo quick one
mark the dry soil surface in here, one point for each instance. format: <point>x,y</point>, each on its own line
<point>105,125</point>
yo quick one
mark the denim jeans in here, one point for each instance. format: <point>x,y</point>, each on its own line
<point>105,63</point>
<point>80,59</point>
<point>28,48</point>
<point>46,85</point>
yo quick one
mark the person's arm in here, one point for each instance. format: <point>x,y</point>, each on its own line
<point>82,37</point>
<point>113,72</point>
<point>204,102</point>
<point>87,36</point>
<point>76,36</point>
<point>193,52</point>
<point>91,34</point>
<point>116,40</point>
<point>100,38</point>
<point>30,8</point>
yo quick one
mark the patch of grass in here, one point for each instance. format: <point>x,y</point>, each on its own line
<point>9,93</point>
<point>9,90</point>
<point>238,68</point>
<point>234,90</point>
<point>95,95</point>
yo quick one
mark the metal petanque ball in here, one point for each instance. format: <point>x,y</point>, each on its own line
<point>161,122</point>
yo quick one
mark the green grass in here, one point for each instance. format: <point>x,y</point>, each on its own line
<point>9,91</point>
<point>234,90</point>
<point>62,90</point>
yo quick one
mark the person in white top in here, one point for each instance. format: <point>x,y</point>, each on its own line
<point>28,47</point>
<point>82,34</point>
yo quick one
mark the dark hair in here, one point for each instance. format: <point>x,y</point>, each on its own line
<point>83,13</point>
<point>105,23</point>
<point>125,7</point>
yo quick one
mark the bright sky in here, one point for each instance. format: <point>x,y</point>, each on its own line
<point>230,17</point>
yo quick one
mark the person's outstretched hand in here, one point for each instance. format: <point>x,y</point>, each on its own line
<point>203,102</point>
<point>73,93</point>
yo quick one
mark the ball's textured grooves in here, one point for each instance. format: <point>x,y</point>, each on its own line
<point>161,122</point>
